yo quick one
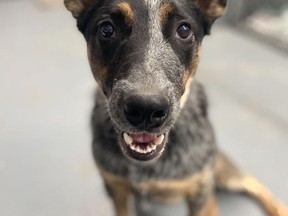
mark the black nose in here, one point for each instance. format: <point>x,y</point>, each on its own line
<point>146,111</point>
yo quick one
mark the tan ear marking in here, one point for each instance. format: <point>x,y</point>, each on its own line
<point>77,7</point>
<point>212,8</point>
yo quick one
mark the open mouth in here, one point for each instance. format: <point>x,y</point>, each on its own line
<point>144,146</point>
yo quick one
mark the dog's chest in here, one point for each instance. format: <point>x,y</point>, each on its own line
<point>170,191</point>
<point>166,191</point>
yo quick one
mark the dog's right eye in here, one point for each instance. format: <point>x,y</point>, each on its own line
<point>107,30</point>
<point>184,31</point>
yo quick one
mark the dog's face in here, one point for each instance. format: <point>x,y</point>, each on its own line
<point>144,54</point>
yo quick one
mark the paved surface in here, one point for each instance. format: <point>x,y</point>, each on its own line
<point>46,92</point>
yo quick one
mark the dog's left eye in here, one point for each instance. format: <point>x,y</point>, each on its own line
<point>184,31</point>
<point>107,30</point>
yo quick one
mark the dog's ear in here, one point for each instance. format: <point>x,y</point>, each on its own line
<point>213,9</point>
<point>78,7</point>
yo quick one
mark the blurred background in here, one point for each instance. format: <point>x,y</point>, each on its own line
<point>46,95</point>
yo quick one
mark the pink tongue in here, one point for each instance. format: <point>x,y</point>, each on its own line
<point>143,138</point>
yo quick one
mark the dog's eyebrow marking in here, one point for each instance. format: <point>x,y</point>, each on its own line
<point>165,10</point>
<point>127,11</point>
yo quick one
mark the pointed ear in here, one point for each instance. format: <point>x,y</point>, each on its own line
<point>213,9</point>
<point>78,7</point>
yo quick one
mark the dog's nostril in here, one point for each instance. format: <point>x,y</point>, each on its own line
<point>132,113</point>
<point>158,115</point>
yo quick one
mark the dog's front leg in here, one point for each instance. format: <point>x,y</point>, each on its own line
<point>203,207</point>
<point>119,195</point>
<point>119,189</point>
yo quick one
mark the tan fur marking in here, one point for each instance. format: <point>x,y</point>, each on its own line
<point>166,191</point>
<point>113,179</point>
<point>127,11</point>
<point>77,7</point>
<point>120,190</point>
<point>212,8</point>
<point>230,178</point>
<point>209,209</point>
<point>99,71</point>
<point>185,96</point>
<point>255,189</point>
<point>165,10</point>
<point>215,10</point>
<point>187,80</point>
<point>170,191</point>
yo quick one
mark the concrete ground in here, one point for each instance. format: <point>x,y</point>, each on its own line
<point>46,90</point>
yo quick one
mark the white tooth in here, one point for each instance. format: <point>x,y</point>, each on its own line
<point>133,147</point>
<point>154,147</point>
<point>159,140</point>
<point>127,139</point>
<point>148,149</point>
<point>138,149</point>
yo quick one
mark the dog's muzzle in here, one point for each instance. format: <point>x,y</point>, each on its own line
<point>146,113</point>
<point>142,116</point>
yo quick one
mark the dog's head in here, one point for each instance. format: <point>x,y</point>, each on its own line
<point>144,54</point>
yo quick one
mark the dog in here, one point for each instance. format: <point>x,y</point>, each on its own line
<point>151,132</point>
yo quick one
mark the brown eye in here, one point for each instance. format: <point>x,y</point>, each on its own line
<point>107,30</point>
<point>184,31</point>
